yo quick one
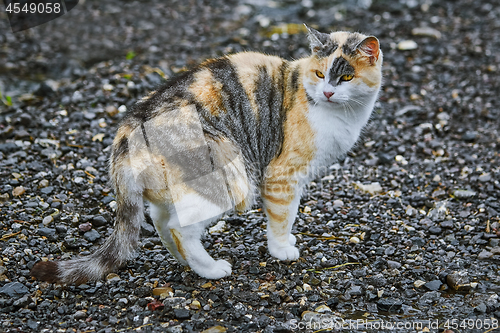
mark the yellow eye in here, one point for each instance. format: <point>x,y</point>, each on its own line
<point>347,77</point>
<point>320,75</point>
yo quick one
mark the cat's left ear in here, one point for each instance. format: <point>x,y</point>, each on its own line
<point>370,48</point>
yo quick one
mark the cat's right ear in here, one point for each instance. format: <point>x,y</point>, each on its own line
<point>317,40</point>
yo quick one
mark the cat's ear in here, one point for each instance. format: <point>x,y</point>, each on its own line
<point>370,48</point>
<point>317,39</point>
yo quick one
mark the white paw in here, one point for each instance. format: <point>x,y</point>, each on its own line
<point>217,270</point>
<point>292,239</point>
<point>286,253</point>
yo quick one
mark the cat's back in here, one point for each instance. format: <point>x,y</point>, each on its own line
<point>238,97</point>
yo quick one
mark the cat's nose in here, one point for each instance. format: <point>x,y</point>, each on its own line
<point>328,94</point>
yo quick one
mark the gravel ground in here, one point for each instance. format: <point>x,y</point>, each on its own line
<point>405,229</point>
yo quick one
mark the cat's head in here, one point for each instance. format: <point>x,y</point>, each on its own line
<point>345,67</point>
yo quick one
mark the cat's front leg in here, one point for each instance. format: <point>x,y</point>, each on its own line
<point>281,201</point>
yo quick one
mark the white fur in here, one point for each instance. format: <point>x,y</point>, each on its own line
<point>338,121</point>
<point>166,219</point>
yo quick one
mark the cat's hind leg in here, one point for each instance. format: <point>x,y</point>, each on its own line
<point>183,230</point>
<point>160,215</point>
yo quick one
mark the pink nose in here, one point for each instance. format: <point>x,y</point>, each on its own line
<point>328,94</point>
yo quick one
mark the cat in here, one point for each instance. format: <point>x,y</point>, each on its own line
<point>214,137</point>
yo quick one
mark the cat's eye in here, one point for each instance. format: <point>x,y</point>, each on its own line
<point>347,77</point>
<point>320,75</point>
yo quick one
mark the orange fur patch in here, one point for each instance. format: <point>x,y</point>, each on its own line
<point>280,218</point>
<point>207,90</point>
<point>176,236</point>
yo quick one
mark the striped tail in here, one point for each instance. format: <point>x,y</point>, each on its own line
<point>112,254</point>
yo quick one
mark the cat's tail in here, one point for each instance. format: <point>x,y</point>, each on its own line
<point>112,254</point>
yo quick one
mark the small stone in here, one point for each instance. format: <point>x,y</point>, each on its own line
<point>418,283</point>
<point>111,110</point>
<point>98,137</point>
<point>33,324</point>
<point>433,285</point>
<point>426,31</point>
<point>182,314</point>
<point>484,255</point>
<point>355,291</point>
<point>99,221</point>
<point>389,305</point>
<point>160,291</point>
<point>322,309</point>
<point>354,240</point>
<point>79,180</point>
<point>385,158</point>
<point>407,45</point>
<point>435,230</point>
<point>410,211</point>
<point>372,188</point>
<point>47,190</point>
<point>215,329</point>
<point>18,191</point>
<point>80,315</point>
<point>306,287</point>
<point>43,183</point>
<point>458,281</point>
<point>218,228</point>
<point>481,308</point>
<point>439,212</point>
<point>22,302</point>
<point>92,235</point>
<point>390,250</point>
<point>107,87</point>
<point>446,224</point>
<point>48,220</point>
<point>14,289</point>
<point>332,302</point>
<point>195,305</point>
<point>418,241</point>
<point>377,280</point>
<point>47,232</point>
<point>123,301</point>
<point>469,136</point>
<point>84,227</point>
<point>155,305</point>
<point>147,229</point>
<point>485,177</point>
<point>338,204</point>
<point>112,277</point>
<point>393,264</point>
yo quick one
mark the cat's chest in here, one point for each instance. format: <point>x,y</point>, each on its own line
<point>336,131</point>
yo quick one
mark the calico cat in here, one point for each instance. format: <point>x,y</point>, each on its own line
<point>214,137</point>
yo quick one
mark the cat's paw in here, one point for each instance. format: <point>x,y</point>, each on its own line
<point>217,270</point>
<point>286,253</point>
<point>292,239</point>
